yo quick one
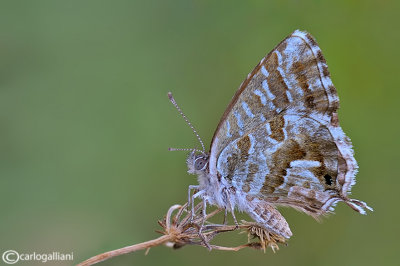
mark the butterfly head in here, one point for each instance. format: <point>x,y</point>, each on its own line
<point>197,163</point>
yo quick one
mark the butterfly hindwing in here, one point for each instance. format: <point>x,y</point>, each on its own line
<point>294,162</point>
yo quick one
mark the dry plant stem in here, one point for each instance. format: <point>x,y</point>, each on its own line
<point>181,230</point>
<point>145,245</point>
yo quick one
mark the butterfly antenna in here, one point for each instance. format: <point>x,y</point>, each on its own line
<point>176,149</point>
<point>171,98</point>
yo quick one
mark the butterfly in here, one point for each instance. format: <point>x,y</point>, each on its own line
<point>279,142</point>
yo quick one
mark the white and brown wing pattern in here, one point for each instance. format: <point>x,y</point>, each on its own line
<point>279,141</point>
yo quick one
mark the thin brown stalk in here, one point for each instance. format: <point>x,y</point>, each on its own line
<point>129,249</point>
<point>181,230</point>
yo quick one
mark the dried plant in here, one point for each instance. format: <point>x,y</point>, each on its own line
<point>184,229</point>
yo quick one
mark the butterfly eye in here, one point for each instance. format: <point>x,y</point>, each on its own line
<point>200,163</point>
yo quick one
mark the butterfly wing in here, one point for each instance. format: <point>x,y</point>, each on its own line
<point>292,77</point>
<point>300,170</point>
<point>279,140</point>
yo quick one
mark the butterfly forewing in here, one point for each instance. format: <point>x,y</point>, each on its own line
<point>275,140</point>
<point>293,77</point>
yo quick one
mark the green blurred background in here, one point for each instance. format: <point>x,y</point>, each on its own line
<point>85,122</point>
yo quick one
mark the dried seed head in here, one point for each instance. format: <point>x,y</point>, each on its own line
<point>184,229</point>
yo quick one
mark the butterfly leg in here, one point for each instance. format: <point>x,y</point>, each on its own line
<point>201,235</point>
<point>225,222</point>
<point>204,212</point>
<point>231,208</point>
<point>196,195</point>
<point>269,217</point>
<point>234,218</point>
<point>191,198</point>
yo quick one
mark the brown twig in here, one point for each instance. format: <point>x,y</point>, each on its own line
<point>145,245</point>
<point>178,232</point>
